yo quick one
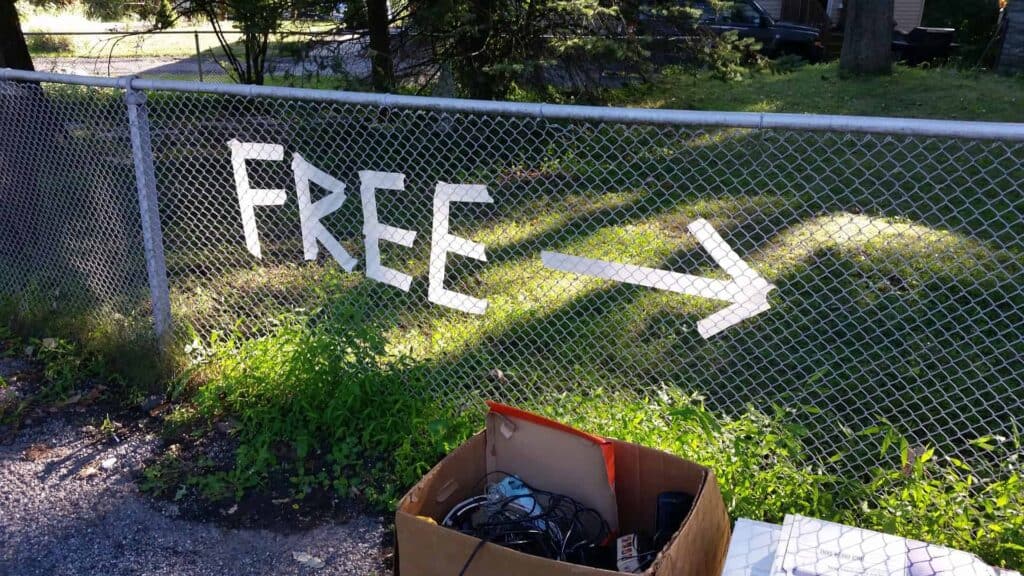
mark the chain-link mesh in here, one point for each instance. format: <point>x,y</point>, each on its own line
<point>895,262</point>
<point>70,242</point>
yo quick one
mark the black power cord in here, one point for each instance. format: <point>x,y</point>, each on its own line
<point>471,556</point>
<point>532,521</point>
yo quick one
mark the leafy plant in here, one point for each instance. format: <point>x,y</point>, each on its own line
<point>317,399</point>
<point>108,429</point>
<point>729,57</point>
<point>766,469</point>
<point>63,366</point>
<point>941,499</point>
<point>760,460</point>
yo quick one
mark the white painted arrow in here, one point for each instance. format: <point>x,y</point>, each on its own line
<point>747,291</point>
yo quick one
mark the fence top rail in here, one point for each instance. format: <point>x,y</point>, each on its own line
<point>1008,131</point>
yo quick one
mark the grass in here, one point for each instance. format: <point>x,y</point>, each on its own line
<point>940,93</point>
<point>879,297</point>
<point>893,332</point>
<point>318,400</point>
<point>943,93</point>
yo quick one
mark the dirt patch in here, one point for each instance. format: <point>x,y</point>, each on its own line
<point>70,476</point>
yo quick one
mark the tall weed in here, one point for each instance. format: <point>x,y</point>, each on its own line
<point>316,398</point>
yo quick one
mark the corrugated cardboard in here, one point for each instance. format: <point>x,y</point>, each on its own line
<point>697,549</point>
<point>572,463</point>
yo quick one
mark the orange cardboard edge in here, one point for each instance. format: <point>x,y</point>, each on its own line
<point>607,449</point>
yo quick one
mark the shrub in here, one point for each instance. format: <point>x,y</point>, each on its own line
<point>49,43</point>
<point>106,10</point>
<point>160,12</point>
<point>317,399</point>
<point>729,57</point>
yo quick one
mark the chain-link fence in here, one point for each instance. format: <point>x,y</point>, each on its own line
<point>853,270</point>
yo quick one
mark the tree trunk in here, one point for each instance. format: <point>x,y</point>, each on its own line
<point>17,182</point>
<point>473,59</point>
<point>867,40</point>
<point>629,10</point>
<point>379,23</point>
<point>13,50</point>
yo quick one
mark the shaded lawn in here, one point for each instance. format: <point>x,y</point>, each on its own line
<point>942,93</point>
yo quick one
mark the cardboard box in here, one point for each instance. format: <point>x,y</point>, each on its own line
<point>640,474</point>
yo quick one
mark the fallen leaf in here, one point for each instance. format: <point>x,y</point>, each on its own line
<point>87,472</point>
<point>307,560</point>
<point>159,409</point>
<point>37,452</point>
<point>71,399</point>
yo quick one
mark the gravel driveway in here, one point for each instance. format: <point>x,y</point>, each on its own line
<point>69,505</point>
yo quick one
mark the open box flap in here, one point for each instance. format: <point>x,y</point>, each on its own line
<point>552,456</point>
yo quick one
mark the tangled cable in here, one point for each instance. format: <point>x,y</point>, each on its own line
<point>523,518</point>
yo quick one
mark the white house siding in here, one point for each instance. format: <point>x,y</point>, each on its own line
<point>908,14</point>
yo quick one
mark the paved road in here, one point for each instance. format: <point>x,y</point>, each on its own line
<point>352,63</point>
<point>126,66</point>
<point>347,57</point>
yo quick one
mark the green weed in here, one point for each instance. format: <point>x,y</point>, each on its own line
<point>97,341</point>
<point>941,499</point>
<point>63,367</point>
<point>767,467</point>
<point>314,398</point>
<point>317,399</point>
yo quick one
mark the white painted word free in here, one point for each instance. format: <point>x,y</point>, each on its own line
<point>746,292</point>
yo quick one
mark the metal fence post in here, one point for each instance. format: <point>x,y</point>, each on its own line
<point>152,236</point>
